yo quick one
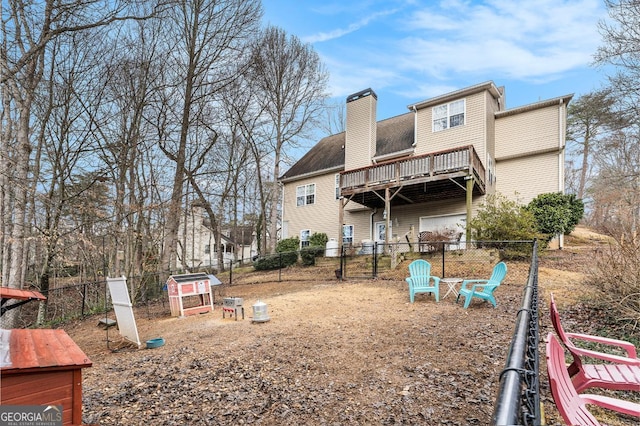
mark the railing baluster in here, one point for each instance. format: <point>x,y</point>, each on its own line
<point>465,158</point>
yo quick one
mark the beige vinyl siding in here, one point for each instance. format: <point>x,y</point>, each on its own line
<point>361,221</point>
<point>473,132</point>
<point>529,132</point>
<point>319,217</point>
<point>360,132</point>
<point>406,219</point>
<point>522,179</point>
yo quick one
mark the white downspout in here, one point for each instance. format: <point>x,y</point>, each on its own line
<point>375,210</point>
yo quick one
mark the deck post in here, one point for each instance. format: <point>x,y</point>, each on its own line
<point>342,203</point>
<point>470,182</point>
<point>387,208</point>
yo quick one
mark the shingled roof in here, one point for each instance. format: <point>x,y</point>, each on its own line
<point>394,134</point>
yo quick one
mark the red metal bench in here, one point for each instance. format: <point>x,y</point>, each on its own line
<point>571,404</point>
<point>616,372</point>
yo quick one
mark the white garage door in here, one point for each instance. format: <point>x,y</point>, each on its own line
<point>456,223</point>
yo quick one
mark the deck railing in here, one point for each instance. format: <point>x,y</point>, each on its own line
<point>458,159</point>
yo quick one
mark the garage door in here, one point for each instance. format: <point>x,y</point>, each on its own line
<point>455,223</point>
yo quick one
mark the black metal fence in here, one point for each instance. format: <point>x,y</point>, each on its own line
<point>364,261</point>
<point>447,258</point>
<point>518,401</point>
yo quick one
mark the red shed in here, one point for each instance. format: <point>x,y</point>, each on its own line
<point>42,367</point>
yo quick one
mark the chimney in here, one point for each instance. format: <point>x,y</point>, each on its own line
<point>360,139</point>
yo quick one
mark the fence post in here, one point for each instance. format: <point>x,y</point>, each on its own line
<point>374,260</point>
<point>443,274</point>
<point>230,272</point>
<point>343,263</point>
<point>84,296</point>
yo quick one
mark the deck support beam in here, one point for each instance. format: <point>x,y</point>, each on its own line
<point>470,183</point>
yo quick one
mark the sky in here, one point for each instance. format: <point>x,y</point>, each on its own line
<point>408,51</point>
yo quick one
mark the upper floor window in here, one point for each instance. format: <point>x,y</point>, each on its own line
<point>448,115</point>
<point>305,194</point>
<point>337,186</point>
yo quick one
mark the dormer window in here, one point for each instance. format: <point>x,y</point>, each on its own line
<point>449,115</point>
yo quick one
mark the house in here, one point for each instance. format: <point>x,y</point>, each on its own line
<point>197,246</point>
<point>425,170</point>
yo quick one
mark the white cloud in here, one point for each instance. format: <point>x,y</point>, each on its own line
<point>519,40</point>
<point>339,32</point>
<point>346,79</point>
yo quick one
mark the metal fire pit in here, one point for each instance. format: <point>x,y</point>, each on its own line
<point>232,305</point>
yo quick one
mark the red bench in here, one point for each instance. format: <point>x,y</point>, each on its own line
<point>571,404</point>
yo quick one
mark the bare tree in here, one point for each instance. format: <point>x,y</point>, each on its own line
<point>28,29</point>
<point>616,190</point>
<point>242,107</point>
<point>589,119</point>
<point>211,37</point>
<point>335,119</point>
<point>621,48</point>
<point>291,82</point>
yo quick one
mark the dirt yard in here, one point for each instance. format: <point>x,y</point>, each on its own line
<point>351,352</point>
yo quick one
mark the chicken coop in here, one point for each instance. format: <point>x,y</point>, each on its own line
<point>190,294</point>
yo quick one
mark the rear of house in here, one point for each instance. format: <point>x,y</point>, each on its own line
<point>427,170</point>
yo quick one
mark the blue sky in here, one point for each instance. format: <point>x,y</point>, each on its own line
<point>408,51</point>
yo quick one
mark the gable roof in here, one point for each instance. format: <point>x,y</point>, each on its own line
<point>394,135</point>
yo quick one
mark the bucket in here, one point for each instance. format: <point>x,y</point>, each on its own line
<point>331,248</point>
<point>367,247</point>
<point>260,312</point>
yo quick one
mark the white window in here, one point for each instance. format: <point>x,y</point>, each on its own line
<point>305,194</point>
<point>207,249</point>
<point>347,234</point>
<point>304,238</point>
<point>337,186</point>
<point>491,174</point>
<point>448,115</point>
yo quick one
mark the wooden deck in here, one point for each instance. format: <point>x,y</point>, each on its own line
<point>443,172</point>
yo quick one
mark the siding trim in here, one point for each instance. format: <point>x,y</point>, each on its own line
<point>313,174</point>
<point>530,154</point>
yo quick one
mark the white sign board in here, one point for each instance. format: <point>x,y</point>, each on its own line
<point>123,309</point>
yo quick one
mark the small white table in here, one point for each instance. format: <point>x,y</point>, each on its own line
<point>451,283</point>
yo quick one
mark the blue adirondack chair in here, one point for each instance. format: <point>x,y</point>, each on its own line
<point>420,279</point>
<point>483,289</point>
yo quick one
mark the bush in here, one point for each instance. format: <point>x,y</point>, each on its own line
<point>576,207</point>
<point>316,248</point>
<point>556,213</point>
<point>318,239</point>
<point>267,263</point>
<point>617,273</point>
<point>309,254</point>
<point>287,255</point>
<point>288,248</point>
<point>499,222</point>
